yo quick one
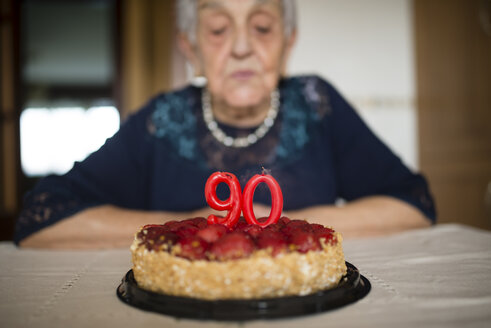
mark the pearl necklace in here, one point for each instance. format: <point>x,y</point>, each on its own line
<point>243,141</point>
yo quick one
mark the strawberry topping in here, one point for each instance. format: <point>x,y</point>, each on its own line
<point>273,240</point>
<point>157,238</point>
<point>303,241</point>
<point>212,232</point>
<point>326,234</point>
<point>199,222</point>
<point>192,248</point>
<point>199,240</point>
<point>252,230</point>
<point>284,220</point>
<point>234,245</point>
<point>187,230</point>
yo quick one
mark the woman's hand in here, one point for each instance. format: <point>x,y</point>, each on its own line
<point>366,217</point>
<point>98,227</point>
<point>371,216</point>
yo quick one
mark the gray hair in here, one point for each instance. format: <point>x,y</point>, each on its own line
<point>187,17</point>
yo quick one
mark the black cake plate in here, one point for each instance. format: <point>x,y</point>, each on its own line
<point>353,287</point>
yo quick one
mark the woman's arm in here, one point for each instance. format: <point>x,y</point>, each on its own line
<point>369,216</point>
<point>108,226</point>
<point>98,227</point>
<point>103,227</point>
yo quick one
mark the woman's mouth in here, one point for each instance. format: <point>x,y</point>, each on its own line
<point>242,74</point>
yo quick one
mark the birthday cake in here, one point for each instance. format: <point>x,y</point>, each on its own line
<point>235,258</point>
<point>193,259</point>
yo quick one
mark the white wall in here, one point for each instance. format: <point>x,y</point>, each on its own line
<point>365,48</point>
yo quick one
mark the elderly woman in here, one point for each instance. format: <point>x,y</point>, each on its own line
<point>247,116</point>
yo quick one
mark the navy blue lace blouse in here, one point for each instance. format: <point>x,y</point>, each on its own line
<point>319,150</point>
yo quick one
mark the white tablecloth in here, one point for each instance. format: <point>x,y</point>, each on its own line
<point>440,276</point>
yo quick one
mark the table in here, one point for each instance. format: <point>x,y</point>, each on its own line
<point>434,277</point>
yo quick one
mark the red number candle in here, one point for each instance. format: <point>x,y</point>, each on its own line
<point>276,199</point>
<point>233,204</point>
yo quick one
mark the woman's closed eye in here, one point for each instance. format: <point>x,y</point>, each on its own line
<point>218,31</point>
<point>216,26</point>
<point>262,29</point>
<point>262,24</point>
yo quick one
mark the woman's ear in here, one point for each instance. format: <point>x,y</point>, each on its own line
<point>189,51</point>
<point>289,44</point>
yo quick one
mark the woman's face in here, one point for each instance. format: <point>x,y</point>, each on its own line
<point>241,49</point>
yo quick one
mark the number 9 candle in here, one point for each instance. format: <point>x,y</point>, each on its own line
<point>233,204</point>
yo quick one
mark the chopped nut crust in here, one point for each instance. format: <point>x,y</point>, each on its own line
<point>257,276</point>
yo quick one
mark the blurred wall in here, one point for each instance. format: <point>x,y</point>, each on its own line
<point>365,48</point>
<point>9,101</point>
<point>147,38</point>
<point>453,51</point>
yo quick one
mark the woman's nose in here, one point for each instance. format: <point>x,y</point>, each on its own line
<point>242,45</point>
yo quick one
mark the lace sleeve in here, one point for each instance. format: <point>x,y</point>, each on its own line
<point>51,201</point>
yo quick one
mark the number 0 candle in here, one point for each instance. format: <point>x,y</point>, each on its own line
<point>276,199</point>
